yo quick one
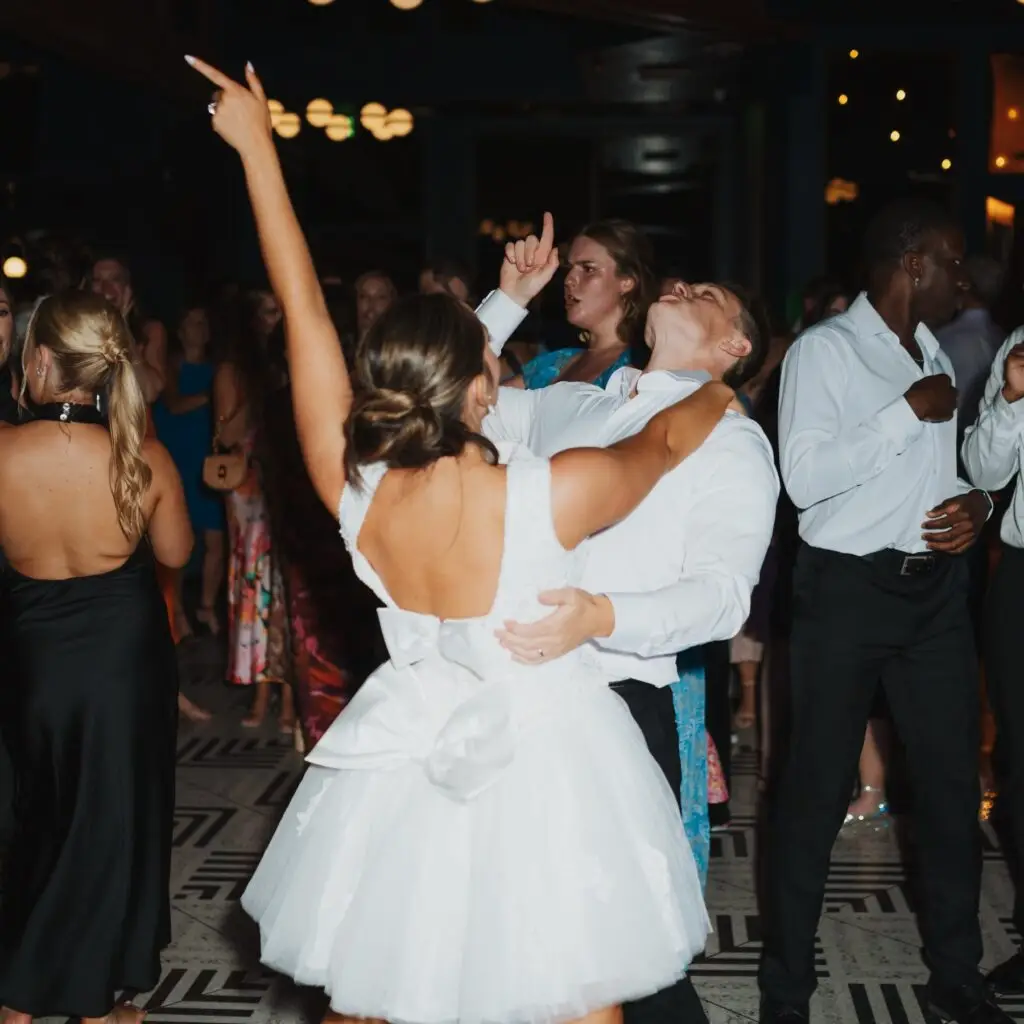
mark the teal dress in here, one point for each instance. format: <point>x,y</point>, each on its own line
<point>688,689</point>
<point>547,368</point>
<point>187,437</point>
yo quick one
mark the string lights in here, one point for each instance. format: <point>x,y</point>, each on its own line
<point>381,123</point>
<point>500,232</point>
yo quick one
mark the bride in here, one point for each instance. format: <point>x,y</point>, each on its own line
<point>475,840</point>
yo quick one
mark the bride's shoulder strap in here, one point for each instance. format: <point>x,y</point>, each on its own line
<point>528,513</point>
<point>356,500</point>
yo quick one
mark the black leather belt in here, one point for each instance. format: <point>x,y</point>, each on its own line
<point>902,564</point>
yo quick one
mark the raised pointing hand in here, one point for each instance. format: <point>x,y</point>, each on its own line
<point>239,112</point>
<point>530,264</point>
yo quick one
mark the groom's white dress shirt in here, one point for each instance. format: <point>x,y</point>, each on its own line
<point>680,569</point>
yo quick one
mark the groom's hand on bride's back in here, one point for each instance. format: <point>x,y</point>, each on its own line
<point>578,617</point>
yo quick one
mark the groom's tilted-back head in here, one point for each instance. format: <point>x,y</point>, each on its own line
<point>717,328</point>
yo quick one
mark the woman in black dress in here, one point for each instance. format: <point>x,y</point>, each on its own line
<point>85,504</point>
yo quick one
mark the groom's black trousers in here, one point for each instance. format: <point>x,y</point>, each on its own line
<point>653,710</point>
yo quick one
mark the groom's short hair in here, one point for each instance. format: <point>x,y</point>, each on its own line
<point>755,326</point>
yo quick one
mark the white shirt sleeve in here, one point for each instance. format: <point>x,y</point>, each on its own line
<point>732,525</point>
<point>990,446</point>
<point>501,316</point>
<point>820,457</point>
<point>513,415</point>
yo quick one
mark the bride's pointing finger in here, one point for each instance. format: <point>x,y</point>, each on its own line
<point>208,71</point>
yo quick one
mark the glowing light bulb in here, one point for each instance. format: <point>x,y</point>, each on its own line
<point>1013,113</point>
<point>946,164</point>
<point>901,94</point>
<point>15,267</point>
<point>399,123</point>
<point>895,136</point>
<point>339,127</point>
<point>318,112</point>
<point>288,126</point>
<point>372,116</point>
<point>1000,161</point>
<point>854,54</point>
<point>843,99</point>
<point>406,5</point>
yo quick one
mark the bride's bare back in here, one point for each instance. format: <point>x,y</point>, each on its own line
<point>434,536</point>
<point>58,519</point>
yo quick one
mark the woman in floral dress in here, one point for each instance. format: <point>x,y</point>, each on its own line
<point>257,626</point>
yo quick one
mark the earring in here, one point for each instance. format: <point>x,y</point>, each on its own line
<point>917,282</point>
<point>40,372</point>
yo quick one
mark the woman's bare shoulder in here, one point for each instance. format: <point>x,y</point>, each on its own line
<point>156,456</point>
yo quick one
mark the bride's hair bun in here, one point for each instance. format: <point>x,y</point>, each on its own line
<point>387,424</point>
<point>412,374</point>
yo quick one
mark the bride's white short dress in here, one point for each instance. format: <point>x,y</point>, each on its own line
<point>477,841</point>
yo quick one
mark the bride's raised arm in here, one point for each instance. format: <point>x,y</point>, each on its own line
<point>321,390</point>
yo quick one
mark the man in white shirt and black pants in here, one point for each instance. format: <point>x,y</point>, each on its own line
<point>993,453</point>
<point>867,436</point>
<point>678,571</point>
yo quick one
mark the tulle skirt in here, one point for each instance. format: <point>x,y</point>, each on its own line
<point>558,882</point>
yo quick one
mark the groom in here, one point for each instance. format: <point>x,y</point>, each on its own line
<point>679,571</point>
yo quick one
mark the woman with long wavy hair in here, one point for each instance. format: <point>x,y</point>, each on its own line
<point>86,502</point>
<point>609,286</point>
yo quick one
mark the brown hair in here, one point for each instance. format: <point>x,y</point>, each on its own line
<point>411,375</point>
<point>92,352</point>
<point>5,291</point>
<point>631,250</point>
<point>379,275</point>
<point>754,324</point>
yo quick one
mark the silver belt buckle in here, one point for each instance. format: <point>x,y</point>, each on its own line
<point>911,563</point>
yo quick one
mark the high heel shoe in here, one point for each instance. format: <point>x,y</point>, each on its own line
<point>874,820</point>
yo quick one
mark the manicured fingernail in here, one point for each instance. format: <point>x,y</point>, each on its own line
<point>249,67</point>
<point>190,60</point>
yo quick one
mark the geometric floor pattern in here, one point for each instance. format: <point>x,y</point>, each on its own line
<point>233,784</point>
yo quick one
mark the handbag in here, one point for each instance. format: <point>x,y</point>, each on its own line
<point>224,470</point>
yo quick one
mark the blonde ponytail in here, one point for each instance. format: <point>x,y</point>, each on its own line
<point>92,353</point>
<point>130,475</point>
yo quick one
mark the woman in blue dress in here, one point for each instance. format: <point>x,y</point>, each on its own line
<point>184,424</point>
<point>609,287</point>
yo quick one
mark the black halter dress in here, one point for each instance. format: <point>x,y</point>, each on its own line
<point>89,717</point>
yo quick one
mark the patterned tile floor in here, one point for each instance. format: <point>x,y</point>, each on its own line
<point>232,785</point>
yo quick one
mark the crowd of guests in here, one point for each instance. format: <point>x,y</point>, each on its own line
<point>839,598</point>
